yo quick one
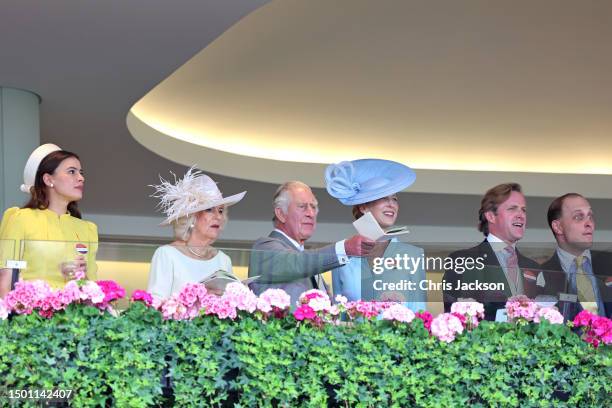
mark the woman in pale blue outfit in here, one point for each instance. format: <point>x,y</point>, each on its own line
<point>371,185</point>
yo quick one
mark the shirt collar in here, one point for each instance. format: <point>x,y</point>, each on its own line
<point>293,241</point>
<point>498,244</point>
<point>567,260</point>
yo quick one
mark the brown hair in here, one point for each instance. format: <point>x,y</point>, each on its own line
<point>555,208</point>
<point>491,201</point>
<point>357,212</point>
<point>39,199</point>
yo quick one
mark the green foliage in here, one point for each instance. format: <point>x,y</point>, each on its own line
<point>109,361</point>
<point>105,361</point>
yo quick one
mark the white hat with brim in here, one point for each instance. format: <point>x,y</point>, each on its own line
<point>193,193</point>
<point>31,167</point>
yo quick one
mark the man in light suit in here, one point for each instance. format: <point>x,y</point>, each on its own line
<point>502,220</point>
<point>574,268</point>
<point>280,259</point>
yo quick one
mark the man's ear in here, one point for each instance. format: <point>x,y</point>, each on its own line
<point>47,179</point>
<point>556,227</point>
<point>280,215</point>
<point>490,216</point>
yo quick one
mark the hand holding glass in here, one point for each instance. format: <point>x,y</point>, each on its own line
<point>73,269</point>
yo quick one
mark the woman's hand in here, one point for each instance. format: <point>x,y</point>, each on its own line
<point>76,269</point>
<point>6,276</point>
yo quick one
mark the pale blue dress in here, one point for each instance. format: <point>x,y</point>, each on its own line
<point>347,279</point>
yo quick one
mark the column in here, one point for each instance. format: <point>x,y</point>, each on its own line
<point>19,135</point>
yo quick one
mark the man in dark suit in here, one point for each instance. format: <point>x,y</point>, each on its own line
<point>280,259</point>
<point>504,270</point>
<point>583,275</point>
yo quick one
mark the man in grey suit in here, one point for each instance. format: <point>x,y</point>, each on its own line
<point>280,260</point>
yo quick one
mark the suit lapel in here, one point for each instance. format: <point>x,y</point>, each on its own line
<point>560,279</point>
<point>282,237</point>
<point>486,250</point>
<point>315,281</point>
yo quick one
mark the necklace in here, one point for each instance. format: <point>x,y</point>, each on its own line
<point>199,255</point>
<point>207,253</point>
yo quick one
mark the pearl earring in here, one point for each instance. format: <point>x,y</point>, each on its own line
<point>51,185</point>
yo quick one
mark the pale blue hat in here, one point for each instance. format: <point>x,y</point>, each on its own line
<point>361,181</point>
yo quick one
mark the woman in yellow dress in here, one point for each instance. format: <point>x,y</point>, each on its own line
<point>48,232</point>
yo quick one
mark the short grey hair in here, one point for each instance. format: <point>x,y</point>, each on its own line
<point>282,198</point>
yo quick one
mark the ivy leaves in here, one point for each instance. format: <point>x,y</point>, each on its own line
<point>109,361</point>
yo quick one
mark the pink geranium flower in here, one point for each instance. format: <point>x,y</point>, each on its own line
<point>142,296</point>
<point>549,313</point>
<point>276,298</point>
<point>240,297</point>
<point>426,317</point>
<point>312,294</point>
<point>304,312</point>
<point>584,318</point>
<point>521,307</point>
<point>398,313</point>
<point>79,274</point>
<point>223,309</point>
<point>471,312</point>
<point>263,305</point>
<point>192,294</point>
<point>4,310</point>
<point>368,310</point>
<point>595,329</point>
<point>27,296</point>
<point>446,327</point>
<point>112,290</point>
<point>92,292</point>
<point>461,318</point>
<point>319,304</point>
<point>602,327</point>
<point>274,302</point>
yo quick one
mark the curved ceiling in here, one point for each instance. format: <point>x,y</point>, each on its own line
<point>446,87</point>
<point>91,63</point>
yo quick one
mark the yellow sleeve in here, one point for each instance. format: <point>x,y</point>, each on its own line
<point>92,267</point>
<point>12,231</point>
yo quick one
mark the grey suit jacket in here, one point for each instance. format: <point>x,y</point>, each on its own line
<point>279,264</point>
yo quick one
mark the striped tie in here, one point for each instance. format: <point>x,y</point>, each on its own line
<point>586,295</point>
<point>512,269</point>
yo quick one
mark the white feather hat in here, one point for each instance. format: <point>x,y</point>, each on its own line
<point>193,193</point>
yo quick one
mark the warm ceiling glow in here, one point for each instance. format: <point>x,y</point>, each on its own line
<point>300,148</point>
<point>305,83</point>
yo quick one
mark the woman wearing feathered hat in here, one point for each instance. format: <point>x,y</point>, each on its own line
<point>371,185</point>
<point>56,242</point>
<point>196,210</point>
